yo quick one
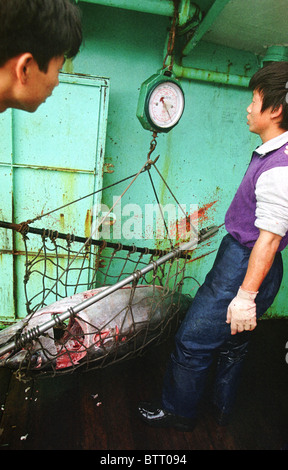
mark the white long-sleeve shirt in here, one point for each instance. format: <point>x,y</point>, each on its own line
<point>272,191</point>
<point>261,201</point>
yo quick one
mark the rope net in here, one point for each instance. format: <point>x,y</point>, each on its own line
<point>90,303</point>
<point>145,307</point>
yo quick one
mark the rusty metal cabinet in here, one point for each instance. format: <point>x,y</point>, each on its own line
<point>48,159</point>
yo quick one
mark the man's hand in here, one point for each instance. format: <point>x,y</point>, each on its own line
<point>241,312</point>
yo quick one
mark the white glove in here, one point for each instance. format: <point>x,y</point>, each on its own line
<point>242,312</point>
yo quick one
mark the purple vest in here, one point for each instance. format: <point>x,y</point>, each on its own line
<point>240,217</point>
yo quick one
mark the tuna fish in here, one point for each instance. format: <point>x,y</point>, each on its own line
<point>124,321</point>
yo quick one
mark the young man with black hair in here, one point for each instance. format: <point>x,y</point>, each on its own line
<point>35,38</point>
<point>246,274</point>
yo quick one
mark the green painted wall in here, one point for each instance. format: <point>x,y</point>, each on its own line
<point>203,158</point>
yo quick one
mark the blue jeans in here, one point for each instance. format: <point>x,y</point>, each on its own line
<point>204,334</point>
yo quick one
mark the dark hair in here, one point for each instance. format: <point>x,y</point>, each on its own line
<point>272,83</point>
<point>45,28</point>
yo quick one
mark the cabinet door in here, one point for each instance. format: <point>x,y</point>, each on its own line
<point>48,159</point>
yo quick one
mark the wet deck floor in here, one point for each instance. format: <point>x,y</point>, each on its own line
<point>96,410</point>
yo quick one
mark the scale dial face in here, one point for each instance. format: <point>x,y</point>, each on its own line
<point>165,105</point>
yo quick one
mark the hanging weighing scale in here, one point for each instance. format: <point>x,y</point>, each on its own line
<point>161,102</point>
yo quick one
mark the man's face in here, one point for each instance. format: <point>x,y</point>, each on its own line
<point>258,121</point>
<point>41,84</point>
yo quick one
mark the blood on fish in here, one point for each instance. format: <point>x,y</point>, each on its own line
<point>119,323</point>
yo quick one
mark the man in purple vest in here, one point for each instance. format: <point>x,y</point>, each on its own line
<point>246,274</point>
